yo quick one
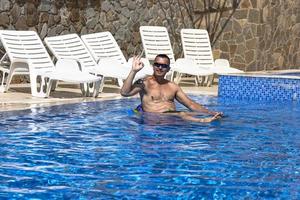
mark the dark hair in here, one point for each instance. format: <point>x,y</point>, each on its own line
<point>163,56</point>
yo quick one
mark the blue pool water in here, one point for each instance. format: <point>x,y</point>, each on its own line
<point>101,150</point>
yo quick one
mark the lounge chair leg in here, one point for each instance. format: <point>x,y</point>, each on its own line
<point>120,82</point>
<point>83,88</point>
<point>50,86</point>
<point>200,80</point>
<point>97,88</point>
<point>197,81</point>
<point>178,78</point>
<point>8,81</point>
<point>86,88</point>
<point>91,89</point>
<point>210,80</point>
<point>3,81</point>
<point>40,91</point>
<point>172,76</point>
<point>54,85</point>
<point>101,86</point>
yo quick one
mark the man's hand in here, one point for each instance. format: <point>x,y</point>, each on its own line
<point>137,64</point>
<point>218,115</point>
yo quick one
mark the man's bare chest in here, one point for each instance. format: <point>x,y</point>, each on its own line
<point>160,93</point>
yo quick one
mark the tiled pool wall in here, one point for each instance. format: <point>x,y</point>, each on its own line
<point>261,88</point>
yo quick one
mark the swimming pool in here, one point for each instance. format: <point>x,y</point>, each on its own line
<point>101,150</point>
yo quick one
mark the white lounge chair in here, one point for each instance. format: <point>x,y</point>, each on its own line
<point>106,51</point>
<point>156,41</point>
<point>27,54</point>
<point>4,70</point>
<point>71,46</point>
<point>196,46</point>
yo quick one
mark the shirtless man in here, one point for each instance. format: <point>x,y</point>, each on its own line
<point>158,94</point>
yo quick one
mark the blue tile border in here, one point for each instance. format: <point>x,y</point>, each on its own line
<point>259,88</point>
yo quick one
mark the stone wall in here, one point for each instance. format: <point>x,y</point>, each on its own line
<point>262,35</point>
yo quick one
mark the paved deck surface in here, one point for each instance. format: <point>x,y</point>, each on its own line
<point>19,97</point>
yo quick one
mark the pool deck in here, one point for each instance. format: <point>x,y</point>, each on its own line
<point>19,97</point>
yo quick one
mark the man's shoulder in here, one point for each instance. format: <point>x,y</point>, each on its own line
<point>173,84</point>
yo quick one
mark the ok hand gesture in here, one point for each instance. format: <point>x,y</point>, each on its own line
<point>137,64</point>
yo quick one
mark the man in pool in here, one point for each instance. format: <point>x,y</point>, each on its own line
<point>158,94</point>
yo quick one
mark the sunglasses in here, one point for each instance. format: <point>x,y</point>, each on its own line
<point>163,66</point>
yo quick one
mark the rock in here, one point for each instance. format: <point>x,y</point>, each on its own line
<point>4,20</point>
<point>241,14</point>
<point>21,2</point>
<point>51,21</point>
<point>45,6</point>
<point>72,29</point>
<point>57,19</point>
<point>59,3</point>
<point>4,5</point>
<point>296,30</point>
<point>251,43</point>
<point>44,30</point>
<point>111,16</point>
<point>123,21</point>
<point>56,30</point>
<point>245,4</point>
<point>31,14</point>
<point>224,46</point>
<point>254,16</point>
<point>249,56</point>
<point>21,23</point>
<point>132,5</point>
<point>98,28</point>
<point>74,15</point>
<point>83,31</point>
<point>15,13</point>
<point>44,17</point>
<point>102,18</point>
<point>232,49</point>
<point>77,27</point>
<point>90,13</point>
<point>237,28</point>
<point>106,6</point>
<point>90,24</point>
<point>125,12</point>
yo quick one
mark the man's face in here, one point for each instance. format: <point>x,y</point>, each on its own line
<point>161,66</point>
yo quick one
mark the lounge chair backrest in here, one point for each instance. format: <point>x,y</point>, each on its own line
<point>71,47</point>
<point>26,46</point>
<point>103,45</point>
<point>196,46</point>
<point>155,41</point>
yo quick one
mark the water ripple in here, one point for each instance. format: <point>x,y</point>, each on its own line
<point>99,151</point>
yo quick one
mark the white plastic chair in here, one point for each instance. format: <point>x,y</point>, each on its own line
<point>71,46</point>
<point>4,70</point>
<point>27,54</point>
<point>106,51</point>
<point>156,41</point>
<point>196,46</point>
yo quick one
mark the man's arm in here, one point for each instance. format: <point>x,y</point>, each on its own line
<point>182,98</point>
<point>129,89</point>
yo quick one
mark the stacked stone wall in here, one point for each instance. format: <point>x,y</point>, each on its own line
<point>262,34</point>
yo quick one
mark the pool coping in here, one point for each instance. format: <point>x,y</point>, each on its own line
<point>268,74</point>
